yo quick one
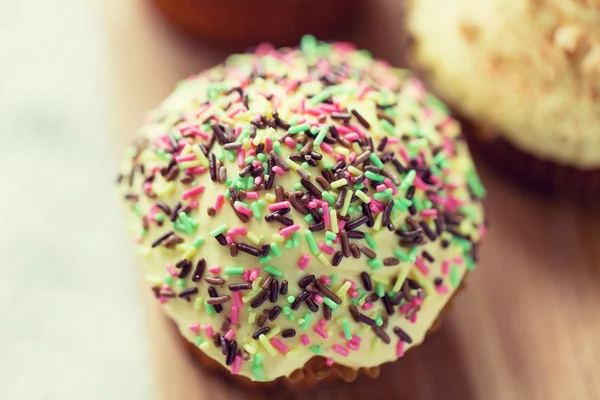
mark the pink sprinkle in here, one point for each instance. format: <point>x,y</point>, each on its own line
<point>302,105</point>
<point>209,331</point>
<point>240,208</point>
<point>246,276</point>
<point>193,192</point>
<point>255,163</point>
<point>172,271</point>
<point>276,101</point>
<point>238,130</point>
<point>353,346</point>
<point>413,319</point>
<point>290,142</point>
<point>358,130</point>
<point>269,143</point>
<point>219,202</point>
<point>329,361</point>
<point>229,239</point>
<point>215,269</point>
<point>339,157</point>
<point>326,148</point>
<point>258,180</point>
<point>322,323</point>
<point>241,155</point>
<point>311,204</point>
<point>445,267</point>
<point>163,300</point>
<point>353,293</point>
<point>236,366</point>
<point>352,156</point>
<point>238,230</point>
<point>380,187</point>
<point>458,260</point>
<point>326,249</point>
<point>305,340</point>
<point>352,136</point>
<point>420,184</point>
<point>388,183</point>
<point>400,349</point>
<point>234,112</point>
<point>318,298</point>
<point>279,346</point>
<point>393,140</point>
<point>202,109</point>
<point>342,129</point>
<point>254,274</point>
<point>329,108</point>
<point>237,299</point>
<point>278,170</point>
<point>194,204</point>
<point>325,279</point>
<point>292,86</point>
<point>279,206</point>
<point>147,187</point>
<point>367,306</point>
<point>235,314</point>
<point>303,261</point>
<point>195,328</point>
<point>341,224</point>
<point>429,213</point>
<point>321,332</point>
<point>188,157</point>
<point>326,219</point>
<point>356,339</point>
<point>421,265</point>
<point>230,334</point>
<point>314,111</point>
<point>442,289</point>
<point>404,154</point>
<point>340,350</point>
<point>285,232</point>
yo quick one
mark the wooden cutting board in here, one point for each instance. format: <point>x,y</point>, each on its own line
<point>528,325</point>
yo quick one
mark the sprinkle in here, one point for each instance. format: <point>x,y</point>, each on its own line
<point>305,340</point>
<point>285,232</point>
<point>311,242</point>
<point>303,261</point>
<point>267,345</point>
<point>273,271</point>
<point>320,331</point>
<point>340,350</point>
<point>218,231</point>
<point>279,346</point>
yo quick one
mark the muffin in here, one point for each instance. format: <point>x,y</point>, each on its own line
<point>302,213</point>
<point>525,76</point>
<point>249,22</point>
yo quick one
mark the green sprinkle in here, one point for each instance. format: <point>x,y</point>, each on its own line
<point>273,271</point>
<point>289,244</point>
<point>328,166</point>
<point>210,310</point>
<point>308,43</point>
<point>264,259</point>
<point>180,283</point>
<point>296,239</point>
<point>380,290</point>
<point>136,210</point>
<point>275,249</point>
<point>218,230</point>
<point>316,349</point>
<point>299,128</point>
<point>330,235</point>
<point>198,242</point>
<point>160,217</point>
<point>334,278</point>
<point>168,280</point>
<point>319,98</point>
<point>470,263</point>
<point>475,184</point>
<point>234,270</point>
<point>255,210</point>
<point>310,239</point>
<point>277,147</point>
<point>388,127</point>
<point>329,242</point>
<point>249,159</point>
<point>376,161</point>
<point>308,218</point>
<point>370,241</point>
<point>321,135</point>
<point>330,303</point>
<point>383,195</point>
<point>375,264</point>
<point>408,179</point>
<point>262,157</point>
<point>305,165</point>
<point>198,340</point>
<point>298,186</point>
<point>375,177</point>
<point>307,317</point>
<point>346,328</point>
<point>291,299</point>
<point>286,310</point>
<point>329,197</point>
<point>454,278</point>
<point>291,317</point>
<point>379,321</point>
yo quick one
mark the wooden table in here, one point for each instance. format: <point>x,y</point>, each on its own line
<point>527,327</point>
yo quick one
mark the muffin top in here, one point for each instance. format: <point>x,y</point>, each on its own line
<point>303,202</point>
<point>526,70</point>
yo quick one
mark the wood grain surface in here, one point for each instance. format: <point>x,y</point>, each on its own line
<point>528,325</point>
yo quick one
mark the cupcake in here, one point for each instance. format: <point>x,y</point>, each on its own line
<point>525,76</point>
<point>302,213</point>
<point>249,22</point>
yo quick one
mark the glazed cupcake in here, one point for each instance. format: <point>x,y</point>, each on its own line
<point>249,22</point>
<point>303,213</point>
<point>525,75</point>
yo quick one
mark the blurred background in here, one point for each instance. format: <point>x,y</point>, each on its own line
<point>75,80</point>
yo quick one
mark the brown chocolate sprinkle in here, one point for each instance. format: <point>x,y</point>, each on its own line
<point>300,299</point>
<point>274,291</point>
<point>267,282</point>
<point>367,213</point>
<point>280,161</point>
<point>323,182</point>
<point>185,267</point>
<point>327,292</point>
<point>311,188</point>
<point>337,258</point>
<point>173,240</point>
<point>316,227</point>
<point>366,279</point>
<point>222,240</point>
<point>261,331</point>
<point>381,334</point>
<point>162,239</point>
<point>355,251</point>
<point>367,251</point>
<point>211,211</point>
<point>211,166</point>
<point>279,193</point>
<point>426,255</point>
<point>357,222</point>
<point>361,119</point>
<point>391,261</point>
<point>284,288</point>
<point>199,270</point>
<point>232,352</point>
<point>219,134</point>
<point>387,303</point>
<point>274,313</point>
<point>233,249</point>
<point>305,281</point>
<point>214,280</point>
<point>212,292</point>
<point>387,212</point>
<point>327,312</point>
<point>262,320</point>
<point>164,207</point>
<point>366,320</point>
<point>364,156</point>
<point>356,235</point>
<point>345,243</point>
<point>260,298</point>
<point>430,234</point>
<point>188,292</point>
<point>312,305</point>
<point>253,251</point>
<point>264,250</point>
<point>297,203</point>
<point>218,300</point>
<point>288,333</point>
<point>235,287</point>
<point>413,311</point>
